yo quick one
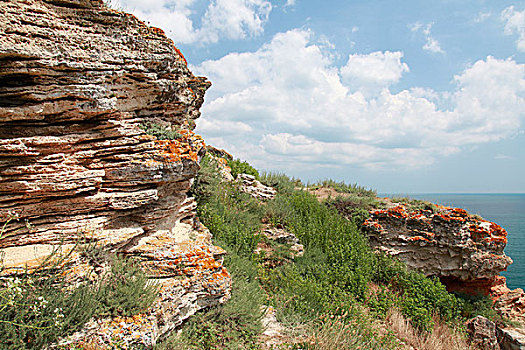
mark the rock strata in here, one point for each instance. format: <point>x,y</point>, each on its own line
<point>81,86</point>
<point>463,250</point>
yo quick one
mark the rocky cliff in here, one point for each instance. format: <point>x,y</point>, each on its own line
<point>463,250</point>
<point>87,95</point>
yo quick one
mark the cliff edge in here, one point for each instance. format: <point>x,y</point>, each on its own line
<point>87,96</point>
<point>463,250</point>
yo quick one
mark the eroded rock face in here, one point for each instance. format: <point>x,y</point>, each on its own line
<point>79,83</point>
<point>512,306</point>
<point>465,251</point>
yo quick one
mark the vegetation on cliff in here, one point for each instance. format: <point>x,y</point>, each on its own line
<point>339,283</point>
<point>43,305</point>
<point>340,293</point>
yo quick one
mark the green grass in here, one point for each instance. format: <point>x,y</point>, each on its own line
<point>38,308</point>
<point>343,187</point>
<point>334,275</point>
<point>414,204</point>
<point>281,182</point>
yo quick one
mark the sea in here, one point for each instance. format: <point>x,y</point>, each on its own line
<point>507,210</point>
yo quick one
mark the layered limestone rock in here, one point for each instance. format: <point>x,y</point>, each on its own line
<point>81,88</point>
<point>255,188</point>
<point>464,251</point>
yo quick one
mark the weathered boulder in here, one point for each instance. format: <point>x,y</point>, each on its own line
<point>511,339</point>
<point>255,188</point>
<point>81,88</point>
<point>482,333</point>
<point>463,250</point>
<point>282,236</point>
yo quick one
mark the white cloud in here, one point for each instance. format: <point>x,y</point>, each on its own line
<point>289,105</point>
<point>515,24</point>
<point>223,19</point>
<point>431,44</point>
<point>373,71</point>
<point>223,127</point>
<point>234,19</point>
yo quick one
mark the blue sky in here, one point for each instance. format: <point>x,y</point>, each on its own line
<point>427,96</point>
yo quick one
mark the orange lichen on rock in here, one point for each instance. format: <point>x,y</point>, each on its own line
<point>465,251</point>
<point>180,54</point>
<point>175,48</point>
<point>373,224</point>
<point>157,31</point>
<point>497,233</point>
<point>418,238</point>
<point>488,232</point>
<point>399,211</point>
<point>452,214</point>
<point>186,147</point>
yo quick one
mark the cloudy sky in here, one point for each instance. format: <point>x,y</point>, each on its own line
<point>428,96</point>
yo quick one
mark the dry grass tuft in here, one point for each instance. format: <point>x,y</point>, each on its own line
<point>442,337</point>
<point>343,333</point>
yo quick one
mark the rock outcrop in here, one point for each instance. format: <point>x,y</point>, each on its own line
<point>81,89</point>
<point>482,333</point>
<point>461,249</point>
<point>255,188</point>
<point>282,236</point>
<point>464,251</point>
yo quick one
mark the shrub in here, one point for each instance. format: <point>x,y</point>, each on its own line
<point>353,208</point>
<point>343,187</point>
<point>472,306</point>
<point>420,297</point>
<point>125,290</point>
<point>39,307</point>
<point>415,204</point>
<point>348,265</point>
<point>338,266</point>
<point>238,166</point>
<point>232,216</point>
<point>280,182</point>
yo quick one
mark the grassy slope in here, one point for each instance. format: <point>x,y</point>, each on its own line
<point>337,290</point>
